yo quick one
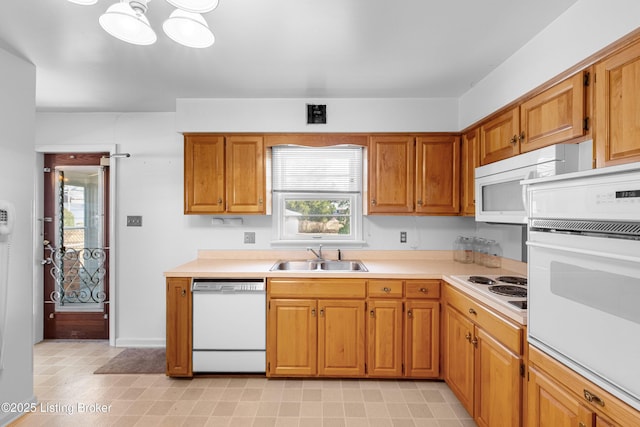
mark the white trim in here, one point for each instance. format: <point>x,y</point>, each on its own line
<point>111,149</point>
<point>141,342</point>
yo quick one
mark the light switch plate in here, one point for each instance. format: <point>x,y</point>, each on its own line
<point>403,237</point>
<point>134,220</point>
<point>249,237</point>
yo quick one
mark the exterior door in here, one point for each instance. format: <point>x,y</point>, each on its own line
<point>76,247</point>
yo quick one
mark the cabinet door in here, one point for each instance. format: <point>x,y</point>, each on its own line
<point>548,404</point>
<point>422,338</point>
<point>245,174</point>
<point>178,336</point>
<point>470,161</point>
<point>617,108</point>
<point>391,174</point>
<point>438,175</point>
<point>498,383</point>
<point>341,342</point>
<point>384,338</point>
<point>553,116</point>
<point>291,337</point>
<point>499,137</point>
<point>458,356</point>
<point>204,174</point>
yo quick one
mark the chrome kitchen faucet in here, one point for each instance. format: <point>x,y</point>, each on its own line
<point>317,254</point>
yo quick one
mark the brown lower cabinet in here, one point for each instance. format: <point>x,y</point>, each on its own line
<point>353,328</point>
<point>178,334</point>
<point>483,360</point>
<point>559,397</point>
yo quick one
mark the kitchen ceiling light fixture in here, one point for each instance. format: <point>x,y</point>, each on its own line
<point>126,20</point>
<point>188,29</point>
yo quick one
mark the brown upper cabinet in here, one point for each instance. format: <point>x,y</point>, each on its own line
<point>414,174</point>
<point>224,174</point>
<point>617,107</point>
<point>550,117</point>
<point>470,161</point>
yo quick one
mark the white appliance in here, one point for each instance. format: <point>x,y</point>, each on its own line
<point>510,291</point>
<point>499,196</point>
<point>229,325</point>
<point>7,220</point>
<point>584,275</point>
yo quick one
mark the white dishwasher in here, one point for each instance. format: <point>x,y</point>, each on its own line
<point>229,325</point>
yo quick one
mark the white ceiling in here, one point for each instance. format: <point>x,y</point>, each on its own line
<point>271,49</point>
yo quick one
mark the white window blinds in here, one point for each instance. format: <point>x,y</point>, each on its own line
<point>317,169</point>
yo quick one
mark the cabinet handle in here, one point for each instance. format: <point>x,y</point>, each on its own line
<point>474,341</point>
<point>373,202</point>
<point>424,290</point>
<point>260,200</point>
<point>419,202</point>
<point>521,137</point>
<point>387,290</point>
<point>472,311</point>
<point>183,293</point>
<point>514,139</point>
<point>581,424</point>
<point>321,312</point>
<point>592,398</point>
<point>410,313</point>
<point>372,313</point>
<point>220,201</point>
<point>313,312</point>
<point>468,336</point>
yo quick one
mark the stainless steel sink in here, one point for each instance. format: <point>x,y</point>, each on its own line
<point>342,266</point>
<point>317,265</point>
<point>295,265</point>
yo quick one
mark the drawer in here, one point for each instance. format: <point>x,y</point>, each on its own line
<point>505,331</point>
<point>316,288</point>
<point>384,288</point>
<point>422,289</point>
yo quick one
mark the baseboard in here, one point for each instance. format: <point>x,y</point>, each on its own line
<point>141,342</point>
<point>8,417</point>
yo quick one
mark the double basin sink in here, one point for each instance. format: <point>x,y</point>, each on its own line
<point>319,265</point>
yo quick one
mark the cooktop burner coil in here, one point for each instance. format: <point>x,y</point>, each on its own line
<point>514,280</point>
<point>481,280</point>
<point>509,290</point>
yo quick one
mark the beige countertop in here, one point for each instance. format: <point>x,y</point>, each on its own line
<point>380,264</point>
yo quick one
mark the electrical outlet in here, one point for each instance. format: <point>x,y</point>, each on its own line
<point>249,237</point>
<point>134,221</point>
<point>403,237</point>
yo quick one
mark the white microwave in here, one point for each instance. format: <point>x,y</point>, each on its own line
<point>501,198</point>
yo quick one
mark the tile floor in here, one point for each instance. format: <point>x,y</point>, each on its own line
<point>67,390</point>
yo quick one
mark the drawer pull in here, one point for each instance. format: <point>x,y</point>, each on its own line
<point>372,313</point>
<point>424,290</point>
<point>592,398</point>
<point>321,312</point>
<point>387,290</point>
<point>313,312</point>
<point>472,311</point>
<point>409,313</point>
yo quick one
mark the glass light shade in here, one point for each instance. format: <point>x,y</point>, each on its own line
<point>195,6</point>
<point>84,2</point>
<point>124,23</point>
<point>188,29</point>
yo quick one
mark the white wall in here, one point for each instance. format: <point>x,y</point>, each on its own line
<point>585,28</point>
<point>17,163</point>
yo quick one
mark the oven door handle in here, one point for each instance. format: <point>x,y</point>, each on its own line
<point>616,257</point>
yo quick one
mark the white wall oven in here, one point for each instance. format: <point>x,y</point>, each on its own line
<point>499,194</point>
<point>584,274</point>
